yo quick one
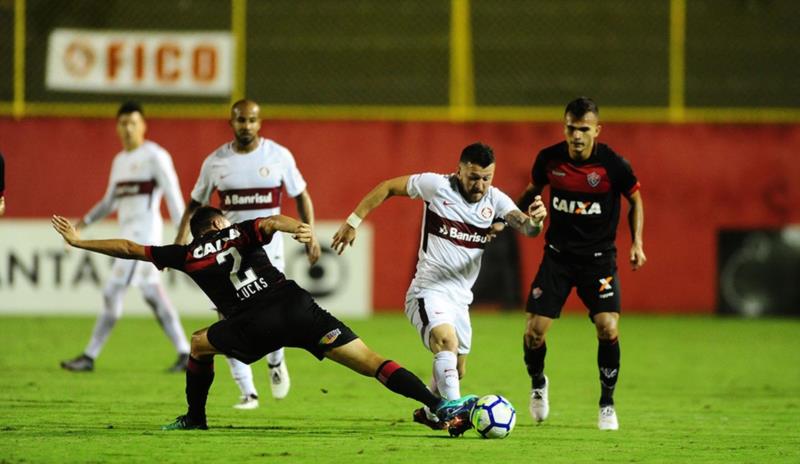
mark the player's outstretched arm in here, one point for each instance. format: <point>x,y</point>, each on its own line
<point>182,238</point>
<point>117,248</point>
<point>528,224</point>
<point>346,234</point>
<point>636,222</point>
<point>300,231</point>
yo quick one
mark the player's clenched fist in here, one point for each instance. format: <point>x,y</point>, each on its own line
<point>537,211</point>
<point>304,233</point>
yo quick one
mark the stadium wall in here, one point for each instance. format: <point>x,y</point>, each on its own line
<point>696,179</point>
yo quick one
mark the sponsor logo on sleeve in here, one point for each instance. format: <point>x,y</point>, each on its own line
<point>330,337</point>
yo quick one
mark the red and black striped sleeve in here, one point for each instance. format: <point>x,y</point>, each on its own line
<point>252,229</point>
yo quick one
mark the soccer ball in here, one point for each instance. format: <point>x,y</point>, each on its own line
<point>493,417</point>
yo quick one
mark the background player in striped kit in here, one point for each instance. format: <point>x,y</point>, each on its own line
<point>249,174</point>
<point>458,214</point>
<point>140,175</point>
<point>586,180</point>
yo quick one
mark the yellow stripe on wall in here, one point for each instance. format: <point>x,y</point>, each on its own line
<point>419,113</point>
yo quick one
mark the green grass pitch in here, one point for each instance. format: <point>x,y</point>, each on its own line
<point>692,389</point>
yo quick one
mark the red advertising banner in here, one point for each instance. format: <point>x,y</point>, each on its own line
<point>696,179</point>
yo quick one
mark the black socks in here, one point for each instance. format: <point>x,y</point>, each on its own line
<point>199,376</point>
<point>399,380</point>
<point>608,364</point>
<point>534,362</point>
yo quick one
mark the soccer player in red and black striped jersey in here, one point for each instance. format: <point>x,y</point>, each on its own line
<point>586,181</point>
<point>262,310</point>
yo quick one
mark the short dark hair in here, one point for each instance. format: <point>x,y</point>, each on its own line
<point>130,107</point>
<point>580,106</point>
<point>201,219</point>
<point>477,153</point>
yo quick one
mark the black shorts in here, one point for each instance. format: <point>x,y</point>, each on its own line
<point>291,319</point>
<point>594,277</point>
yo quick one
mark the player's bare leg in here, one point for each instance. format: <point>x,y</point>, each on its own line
<point>535,349</point>
<point>199,377</point>
<point>608,355</point>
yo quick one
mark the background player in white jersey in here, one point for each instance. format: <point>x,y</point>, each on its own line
<point>249,174</point>
<point>140,175</point>
<point>459,212</point>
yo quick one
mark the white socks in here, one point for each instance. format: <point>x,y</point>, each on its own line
<point>112,310</point>
<point>276,357</point>
<point>167,316</point>
<point>445,371</point>
<point>243,376</point>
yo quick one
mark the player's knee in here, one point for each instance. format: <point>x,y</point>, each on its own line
<point>198,343</point>
<point>607,332</point>
<point>533,339</point>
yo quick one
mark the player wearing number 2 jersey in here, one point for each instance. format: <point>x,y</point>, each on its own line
<point>263,310</point>
<point>249,175</point>
<point>458,218</point>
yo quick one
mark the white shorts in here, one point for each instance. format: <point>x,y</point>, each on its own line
<point>128,272</point>
<point>426,309</point>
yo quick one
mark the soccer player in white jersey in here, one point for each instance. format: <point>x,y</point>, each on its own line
<point>458,216</point>
<point>249,174</point>
<point>141,174</point>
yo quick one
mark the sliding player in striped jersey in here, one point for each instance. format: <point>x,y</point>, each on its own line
<point>141,174</point>
<point>263,310</point>
<point>459,213</point>
<point>249,174</point>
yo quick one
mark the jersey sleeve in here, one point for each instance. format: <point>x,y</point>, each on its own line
<point>167,179</point>
<point>251,230</point>
<point>624,179</point>
<point>173,256</point>
<point>503,204</point>
<point>204,186</point>
<point>539,170</point>
<point>107,204</point>
<point>424,185</point>
<point>293,179</point>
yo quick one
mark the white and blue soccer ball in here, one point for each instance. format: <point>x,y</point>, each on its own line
<point>493,417</point>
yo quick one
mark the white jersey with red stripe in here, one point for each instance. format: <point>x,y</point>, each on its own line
<point>138,180</point>
<point>249,185</point>
<point>454,234</point>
